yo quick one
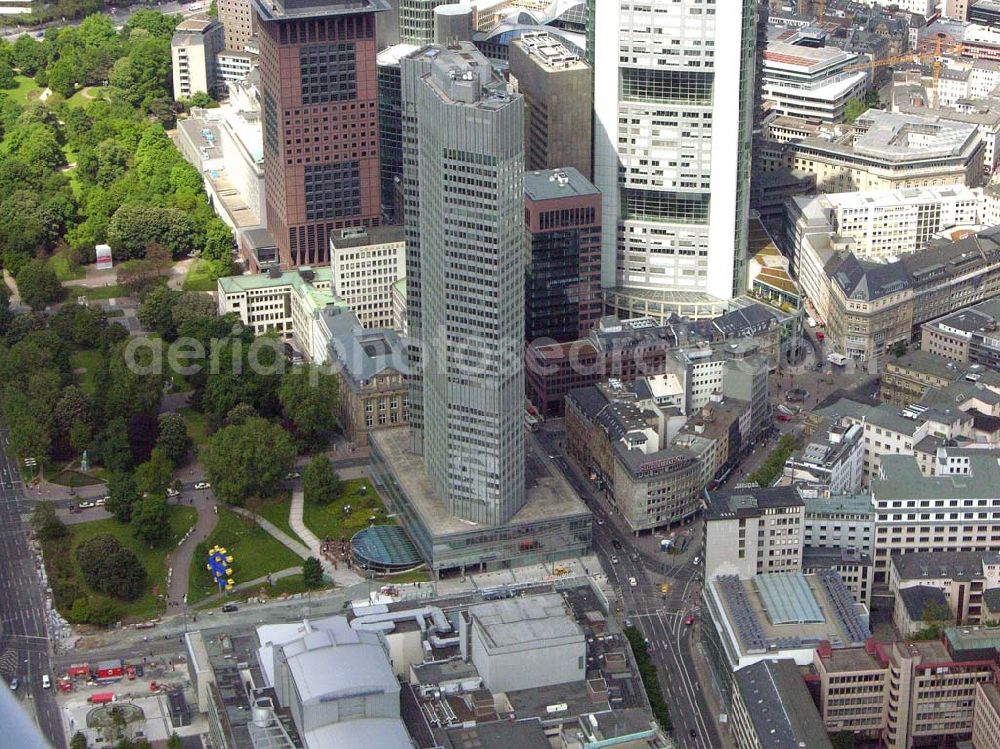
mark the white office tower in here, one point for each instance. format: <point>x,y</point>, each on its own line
<point>673,103</point>
<point>463,151</point>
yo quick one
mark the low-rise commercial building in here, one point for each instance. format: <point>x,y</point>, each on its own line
<point>883,225</point>
<point>934,513</point>
<point>771,707</point>
<point>832,463</point>
<point>801,79</point>
<point>371,368</point>
<point>524,643</point>
<point>193,50</point>
<point>904,694</point>
<point>970,336</point>
<point>365,264</point>
<point>962,577</point>
<point>288,303</point>
<point>855,567</point>
<point>887,151</point>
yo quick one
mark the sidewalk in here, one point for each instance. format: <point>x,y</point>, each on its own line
<point>183,555</point>
<point>339,574</point>
<point>251,584</point>
<point>296,547</point>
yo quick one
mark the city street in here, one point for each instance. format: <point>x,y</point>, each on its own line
<point>24,644</point>
<point>659,616</point>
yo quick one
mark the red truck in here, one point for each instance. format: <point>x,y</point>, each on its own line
<point>78,669</point>
<point>109,671</point>
<point>101,698</point>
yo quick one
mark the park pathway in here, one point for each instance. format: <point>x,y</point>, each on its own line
<point>180,560</point>
<point>296,546</point>
<point>339,574</point>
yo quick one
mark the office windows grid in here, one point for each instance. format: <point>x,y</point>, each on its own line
<point>332,190</point>
<point>690,86</point>
<point>328,72</point>
<point>672,207</point>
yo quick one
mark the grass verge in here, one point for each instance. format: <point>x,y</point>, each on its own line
<point>331,521</point>
<point>114,291</point>
<point>255,554</point>
<point>199,277</point>
<point>67,581</point>
<point>65,268</point>
<point>276,511</point>
<point>27,90</point>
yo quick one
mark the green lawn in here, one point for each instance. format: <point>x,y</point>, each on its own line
<point>87,360</point>
<point>197,425</point>
<point>276,511</point>
<point>78,99</point>
<point>99,292</point>
<point>199,277</point>
<point>413,576</point>
<point>64,266</point>
<point>154,560</point>
<point>27,90</point>
<point>330,521</point>
<point>255,554</point>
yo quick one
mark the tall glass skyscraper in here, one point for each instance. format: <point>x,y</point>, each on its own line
<point>463,153</point>
<point>673,104</point>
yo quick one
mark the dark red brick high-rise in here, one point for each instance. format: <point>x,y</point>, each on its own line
<point>319,99</point>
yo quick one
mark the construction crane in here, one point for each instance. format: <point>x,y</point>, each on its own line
<point>939,48</point>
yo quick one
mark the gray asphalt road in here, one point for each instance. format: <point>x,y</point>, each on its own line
<point>660,617</point>
<point>24,645</point>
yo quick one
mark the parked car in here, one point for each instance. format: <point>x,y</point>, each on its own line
<point>46,682</point>
<point>171,493</point>
<point>633,582</point>
<point>101,502</point>
<point>690,620</point>
<point>600,521</point>
<point>86,505</point>
<point>291,475</point>
<point>616,543</point>
<point>614,559</point>
<point>229,608</point>
<point>14,684</point>
<point>203,485</point>
<point>696,561</point>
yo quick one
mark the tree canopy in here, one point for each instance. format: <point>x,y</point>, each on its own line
<point>110,568</point>
<point>248,460</point>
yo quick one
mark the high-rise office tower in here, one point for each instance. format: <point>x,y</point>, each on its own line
<point>562,216</point>
<point>416,20</point>
<point>318,85</point>
<point>463,150</point>
<point>237,18</point>
<point>558,95</point>
<point>673,104</point>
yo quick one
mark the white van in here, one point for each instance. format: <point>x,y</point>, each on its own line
<point>46,681</point>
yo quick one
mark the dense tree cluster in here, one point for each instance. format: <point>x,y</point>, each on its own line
<point>110,568</point>
<point>130,187</point>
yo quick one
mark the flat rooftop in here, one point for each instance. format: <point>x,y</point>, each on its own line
<point>549,494</point>
<point>902,137</point>
<point>903,480</point>
<point>531,619</point>
<point>851,659</point>
<point>551,184</point>
<point>279,10</point>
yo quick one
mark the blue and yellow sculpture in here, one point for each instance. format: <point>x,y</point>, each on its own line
<point>220,564</point>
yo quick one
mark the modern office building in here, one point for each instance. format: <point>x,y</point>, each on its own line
<point>801,79</point>
<point>752,531</point>
<point>233,66</point>
<point>416,20</point>
<point>464,139</point>
<point>557,87</point>
<point>193,49</point>
<point>673,112</point>
<point>319,99</point>
<point>239,20</point>
<point>390,130</point>
<point>365,264</point>
<point>562,285</point>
